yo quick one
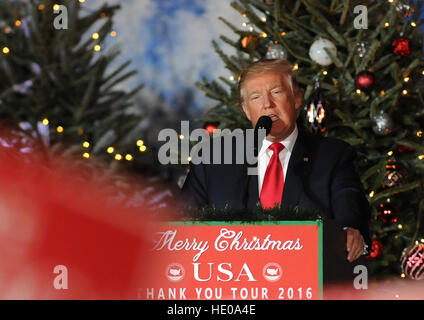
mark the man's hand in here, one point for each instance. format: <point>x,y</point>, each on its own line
<point>354,244</point>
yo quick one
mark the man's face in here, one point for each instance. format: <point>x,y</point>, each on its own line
<point>270,94</point>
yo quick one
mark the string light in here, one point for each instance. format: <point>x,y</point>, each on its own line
<point>143,148</point>
<point>128,157</point>
<point>113,33</point>
<point>405,92</point>
<point>400,227</point>
<point>41,7</point>
<point>81,1</point>
<point>110,150</point>
<point>371,194</point>
<point>296,67</point>
<point>386,24</point>
<point>140,143</point>
<point>283,33</point>
<point>390,153</point>
<point>358,91</point>
<point>325,72</point>
<point>189,159</point>
<point>18,23</point>
<point>56,7</point>
<point>263,35</point>
<point>413,24</point>
<point>86,144</point>
<point>95,35</point>
<point>45,121</point>
<point>244,24</point>
<point>97,47</point>
<point>263,19</point>
<point>402,275</point>
<point>86,155</point>
<point>420,157</point>
<point>59,129</point>
<point>406,79</point>
<point>382,92</point>
<point>181,137</point>
<point>419,134</point>
<point>6,50</point>
<point>118,157</point>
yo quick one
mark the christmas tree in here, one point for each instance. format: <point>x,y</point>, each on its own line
<point>361,66</point>
<point>57,86</point>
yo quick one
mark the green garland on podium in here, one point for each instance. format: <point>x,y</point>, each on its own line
<point>284,213</point>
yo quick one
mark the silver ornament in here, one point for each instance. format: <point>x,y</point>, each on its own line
<point>383,124</point>
<point>276,51</point>
<point>23,88</point>
<point>362,48</point>
<point>405,8</point>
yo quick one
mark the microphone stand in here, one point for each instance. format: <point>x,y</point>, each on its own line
<point>264,122</point>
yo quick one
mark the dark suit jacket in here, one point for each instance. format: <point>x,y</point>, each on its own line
<point>320,176</point>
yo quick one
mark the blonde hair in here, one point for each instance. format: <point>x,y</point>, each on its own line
<point>264,66</point>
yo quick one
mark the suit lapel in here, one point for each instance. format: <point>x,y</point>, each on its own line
<point>297,170</point>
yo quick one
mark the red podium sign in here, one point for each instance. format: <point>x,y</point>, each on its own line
<point>235,261</point>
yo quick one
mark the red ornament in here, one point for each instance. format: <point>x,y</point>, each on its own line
<point>388,212</point>
<point>412,262</point>
<point>211,127</point>
<point>376,249</point>
<point>404,149</point>
<point>365,80</point>
<point>402,46</point>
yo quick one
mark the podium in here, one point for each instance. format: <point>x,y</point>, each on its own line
<point>275,260</point>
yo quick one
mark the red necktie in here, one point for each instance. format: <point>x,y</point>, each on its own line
<point>273,185</point>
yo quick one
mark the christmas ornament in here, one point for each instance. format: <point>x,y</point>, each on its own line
<point>23,88</point>
<point>362,48</point>
<point>383,124</point>
<point>249,42</point>
<point>318,54</point>
<point>412,262</point>
<point>405,8</point>
<point>210,127</point>
<point>365,80</point>
<point>276,51</point>
<point>388,212</point>
<point>376,249</point>
<point>403,149</point>
<point>395,175</point>
<point>402,46</point>
<point>315,112</point>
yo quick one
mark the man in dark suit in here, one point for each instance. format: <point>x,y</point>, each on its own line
<point>295,168</point>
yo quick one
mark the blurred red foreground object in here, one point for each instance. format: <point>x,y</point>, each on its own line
<point>59,239</point>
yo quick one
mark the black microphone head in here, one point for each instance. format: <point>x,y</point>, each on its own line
<point>264,122</point>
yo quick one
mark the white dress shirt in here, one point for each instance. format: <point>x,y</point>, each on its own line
<point>265,155</point>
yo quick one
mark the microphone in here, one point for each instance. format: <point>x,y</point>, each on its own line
<point>264,122</point>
